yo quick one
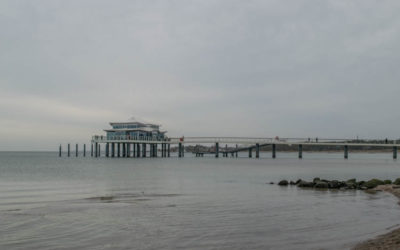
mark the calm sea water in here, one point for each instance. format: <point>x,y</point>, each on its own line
<point>48,202</point>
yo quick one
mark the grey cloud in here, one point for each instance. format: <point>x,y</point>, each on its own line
<point>240,68</point>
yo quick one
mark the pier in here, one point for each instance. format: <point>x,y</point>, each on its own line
<point>150,147</point>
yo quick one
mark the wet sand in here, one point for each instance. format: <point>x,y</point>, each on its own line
<point>390,240</point>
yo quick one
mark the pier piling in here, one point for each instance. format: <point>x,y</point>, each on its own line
<point>91,149</point>
<point>395,152</point>
<point>128,150</point>
<point>300,151</point>
<point>273,151</point>
<point>236,150</point>
<point>169,150</point>
<point>346,152</point>
<point>96,148</point>
<point>257,150</point>
<point>84,150</point>
<point>76,150</point>
<point>59,151</point>
<point>180,150</point>
<point>69,150</point>
<point>216,150</point>
<point>144,150</point>
<point>118,149</point>
<point>250,152</point>
<point>137,150</point>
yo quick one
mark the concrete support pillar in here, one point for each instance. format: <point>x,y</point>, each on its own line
<point>76,150</point>
<point>250,152</point>
<point>155,150</point>
<point>169,150</point>
<point>118,149</point>
<point>128,150</point>
<point>395,152</point>
<point>84,150</point>
<point>257,150</point>
<point>138,150</point>
<point>346,152</point>
<point>96,149</point>
<point>300,151</point>
<point>69,150</point>
<point>144,150</point>
<point>107,149</point>
<point>180,150</point>
<point>183,150</point>
<point>216,150</point>
<point>134,150</point>
<point>273,151</point>
<point>113,149</point>
<point>123,149</point>
<point>91,149</point>
<point>59,151</point>
<point>99,150</point>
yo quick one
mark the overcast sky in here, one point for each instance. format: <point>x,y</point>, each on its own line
<point>301,68</point>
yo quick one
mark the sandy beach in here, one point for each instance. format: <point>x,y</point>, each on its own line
<point>390,240</point>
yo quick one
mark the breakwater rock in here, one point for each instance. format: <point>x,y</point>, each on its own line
<point>336,184</point>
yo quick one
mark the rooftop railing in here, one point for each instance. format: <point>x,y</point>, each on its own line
<point>104,138</point>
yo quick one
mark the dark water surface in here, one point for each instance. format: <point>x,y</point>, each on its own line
<point>48,202</point>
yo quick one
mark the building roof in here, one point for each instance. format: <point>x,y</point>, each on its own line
<point>134,120</point>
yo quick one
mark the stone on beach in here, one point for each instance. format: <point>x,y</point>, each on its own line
<point>321,184</point>
<point>305,184</point>
<point>373,183</point>
<point>283,183</point>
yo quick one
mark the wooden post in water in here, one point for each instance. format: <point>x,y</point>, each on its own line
<point>169,149</point>
<point>273,151</point>
<point>180,150</point>
<point>250,152</point>
<point>96,150</point>
<point>91,149</point>
<point>257,150</point>
<point>69,150</point>
<point>300,151</point>
<point>59,151</point>
<point>395,152</point>
<point>216,150</point>
<point>84,150</point>
<point>76,150</point>
<point>346,152</point>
